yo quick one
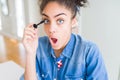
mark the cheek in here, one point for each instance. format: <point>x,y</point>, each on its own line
<point>67,28</point>
<point>46,30</point>
<point>65,32</point>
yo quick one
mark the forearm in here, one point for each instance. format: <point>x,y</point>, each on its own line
<point>30,68</point>
<point>30,42</point>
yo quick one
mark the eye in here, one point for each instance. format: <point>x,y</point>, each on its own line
<point>60,21</point>
<point>46,21</point>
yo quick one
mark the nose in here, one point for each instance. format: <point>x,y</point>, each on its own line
<point>52,28</point>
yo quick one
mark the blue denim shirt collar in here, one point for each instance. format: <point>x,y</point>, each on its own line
<point>67,51</point>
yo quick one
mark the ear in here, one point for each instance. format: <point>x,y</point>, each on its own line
<point>74,22</point>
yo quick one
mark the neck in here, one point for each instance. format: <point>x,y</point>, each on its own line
<point>58,52</point>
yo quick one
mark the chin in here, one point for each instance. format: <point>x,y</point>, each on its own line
<point>56,47</point>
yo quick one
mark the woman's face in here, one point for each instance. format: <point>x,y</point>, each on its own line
<point>58,24</point>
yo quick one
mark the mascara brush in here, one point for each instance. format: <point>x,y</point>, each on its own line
<point>36,25</point>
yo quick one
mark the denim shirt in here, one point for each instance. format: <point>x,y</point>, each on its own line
<point>81,60</point>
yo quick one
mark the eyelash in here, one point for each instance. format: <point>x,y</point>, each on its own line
<point>46,21</point>
<point>60,20</point>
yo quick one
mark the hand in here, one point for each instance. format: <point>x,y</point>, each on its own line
<point>30,39</point>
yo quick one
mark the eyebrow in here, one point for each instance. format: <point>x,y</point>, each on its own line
<point>55,15</point>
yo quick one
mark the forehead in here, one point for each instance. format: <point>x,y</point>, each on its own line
<point>54,8</point>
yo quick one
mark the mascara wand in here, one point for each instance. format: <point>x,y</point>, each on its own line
<point>36,25</point>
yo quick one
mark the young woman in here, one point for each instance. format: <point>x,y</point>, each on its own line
<point>61,55</point>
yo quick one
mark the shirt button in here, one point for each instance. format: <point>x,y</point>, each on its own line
<point>42,75</point>
<point>55,79</point>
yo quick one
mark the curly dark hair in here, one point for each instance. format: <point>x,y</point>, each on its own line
<point>73,5</point>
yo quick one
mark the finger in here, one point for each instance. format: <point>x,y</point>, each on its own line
<point>27,39</point>
<point>33,30</point>
<point>31,26</point>
<point>33,36</point>
<point>29,33</point>
<point>30,29</point>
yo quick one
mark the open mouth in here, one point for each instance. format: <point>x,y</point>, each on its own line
<point>54,40</point>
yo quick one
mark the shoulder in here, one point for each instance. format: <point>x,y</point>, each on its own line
<point>43,39</point>
<point>88,49</point>
<point>82,42</point>
<point>43,45</point>
<point>87,57</point>
<point>85,48</point>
